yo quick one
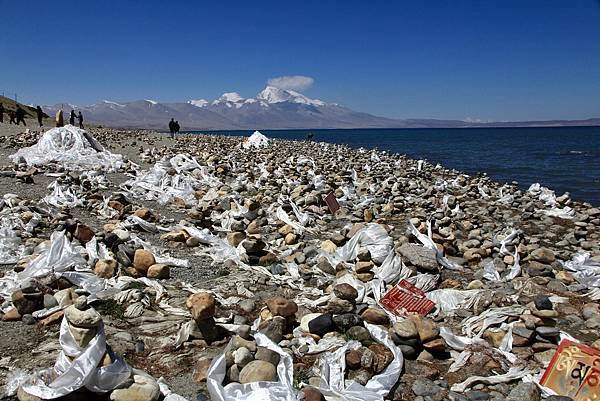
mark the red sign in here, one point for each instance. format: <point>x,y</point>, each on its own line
<point>406,298</point>
<point>332,203</point>
<point>574,371</point>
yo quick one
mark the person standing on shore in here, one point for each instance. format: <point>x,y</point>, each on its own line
<point>72,117</point>
<point>177,127</point>
<point>1,113</point>
<point>40,115</point>
<point>172,128</point>
<point>20,114</point>
<point>59,118</point>
<point>80,119</point>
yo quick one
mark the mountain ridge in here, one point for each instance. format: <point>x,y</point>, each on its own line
<point>272,108</point>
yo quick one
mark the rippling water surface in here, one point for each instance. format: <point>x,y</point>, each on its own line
<point>565,159</point>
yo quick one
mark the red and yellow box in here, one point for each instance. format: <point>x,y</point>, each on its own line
<point>574,371</point>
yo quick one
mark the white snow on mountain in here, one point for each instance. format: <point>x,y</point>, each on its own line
<point>230,99</point>
<point>198,102</point>
<point>113,103</point>
<point>151,101</point>
<point>272,95</point>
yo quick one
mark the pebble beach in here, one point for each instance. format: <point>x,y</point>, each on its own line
<point>213,260</point>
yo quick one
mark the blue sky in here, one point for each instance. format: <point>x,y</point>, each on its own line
<point>488,60</point>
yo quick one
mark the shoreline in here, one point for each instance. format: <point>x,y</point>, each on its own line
<point>470,217</point>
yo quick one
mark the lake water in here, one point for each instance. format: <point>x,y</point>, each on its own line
<point>565,159</point>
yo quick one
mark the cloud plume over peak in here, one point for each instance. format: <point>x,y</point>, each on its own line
<point>293,82</point>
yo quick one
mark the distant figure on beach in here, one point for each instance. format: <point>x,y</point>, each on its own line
<point>11,117</point>
<point>309,136</point>
<point>40,115</point>
<point>1,113</point>
<point>59,118</point>
<point>177,127</point>
<point>172,127</point>
<point>72,117</point>
<point>80,120</point>
<point>20,115</point>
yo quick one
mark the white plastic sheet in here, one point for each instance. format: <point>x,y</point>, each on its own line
<point>584,269</point>
<point>77,367</point>
<point>72,147</point>
<point>333,365</point>
<point>282,390</point>
<point>158,184</point>
<point>62,197</point>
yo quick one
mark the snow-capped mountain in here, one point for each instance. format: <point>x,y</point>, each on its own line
<point>272,108</point>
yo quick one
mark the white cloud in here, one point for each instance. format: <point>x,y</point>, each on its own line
<point>293,82</point>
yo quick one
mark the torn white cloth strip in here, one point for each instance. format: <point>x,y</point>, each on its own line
<point>427,242</point>
<point>585,270</point>
<point>512,374</point>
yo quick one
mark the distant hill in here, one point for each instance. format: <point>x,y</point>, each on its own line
<point>272,108</point>
<point>10,104</point>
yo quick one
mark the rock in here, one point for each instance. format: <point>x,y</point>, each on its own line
<point>234,373</point>
<point>253,245</point>
<point>65,297</point>
<point>242,357</point>
<point>274,328</point>
<point>49,301</point>
<point>328,246</point>
<point>105,268</point>
<point>306,319</point>
<point>420,257</point>
<point>339,306</point>
<point>238,342</point>
<point>435,346</point>
<point>291,239</point>
<point>524,392</point>
<point>363,267</point>
<point>145,214</point>
<point>475,285</point>
<point>267,259</point>
<point>142,260</point>
<point>542,302</point>
<point>312,394</point>
<point>28,319</point>
<point>353,359</point>
<point>425,327</point>
<point>425,387</point>
<point>321,325</point>
<point>359,333</point>
<point>11,315</point>
<point>54,318</point>
<point>544,313</point>
<point>265,354</point>
<point>345,321</point>
<point>280,306</point>
<point>144,388</point>
<point>375,316</point>
<point>405,329</point>
<point>257,371</point>
<point>27,303</point>
<point>324,265</point>
<point>201,369</point>
<point>158,271</point>
<point>543,255</point>
<point>361,376</point>
<point>546,331</point>
<point>201,305</point>
<point>383,357</point>
<point>345,291</point>
<point>86,318</point>
<point>235,238</point>
<point>83,233</point>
